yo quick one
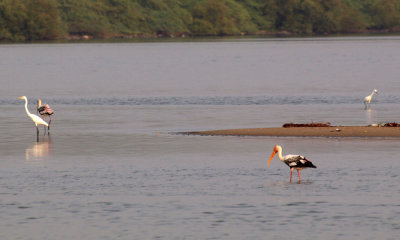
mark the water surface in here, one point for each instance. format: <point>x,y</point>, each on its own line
<point>112,167</point>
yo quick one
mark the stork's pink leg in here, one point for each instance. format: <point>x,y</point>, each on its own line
<point>298,171</point>
<point>291,171</point>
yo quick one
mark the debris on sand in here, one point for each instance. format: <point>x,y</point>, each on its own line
<point>291,125</point>
<point>393,124</point>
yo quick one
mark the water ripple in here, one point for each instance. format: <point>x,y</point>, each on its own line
<point>209,100</point>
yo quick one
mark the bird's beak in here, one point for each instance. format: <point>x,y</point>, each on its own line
<point>272,156</point>
<point>20,97</point>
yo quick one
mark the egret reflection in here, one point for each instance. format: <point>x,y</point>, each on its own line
<point>370,117</point>
<point>39,150</point>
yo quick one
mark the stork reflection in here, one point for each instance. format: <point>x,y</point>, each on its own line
<point>40,149</point>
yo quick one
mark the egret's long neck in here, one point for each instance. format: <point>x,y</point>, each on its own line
<point>26,107</point>
<point>372,94</point>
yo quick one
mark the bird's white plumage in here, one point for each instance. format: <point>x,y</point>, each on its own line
<point>292,164</point>
<point>36,119</point>
<point>367,99</point>
<point>290,156</point>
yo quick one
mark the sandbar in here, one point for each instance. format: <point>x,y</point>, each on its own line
<point>333,131</point>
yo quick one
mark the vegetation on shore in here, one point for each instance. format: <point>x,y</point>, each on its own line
<point>27,20</point>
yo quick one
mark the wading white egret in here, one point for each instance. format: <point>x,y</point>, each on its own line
<point>297,162</point>
<point>36,119</point>
<point>45,111</point>
<point>367,99</point>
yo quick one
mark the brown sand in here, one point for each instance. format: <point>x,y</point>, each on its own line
<point>336,131</point>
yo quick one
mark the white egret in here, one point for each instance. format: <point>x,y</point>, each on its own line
<point>367,99</point>
<point>36,119</point>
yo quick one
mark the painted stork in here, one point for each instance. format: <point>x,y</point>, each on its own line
<point>45,111</point>
<point>36,119</point>
<point>367,99</point>
<point>297,162</point>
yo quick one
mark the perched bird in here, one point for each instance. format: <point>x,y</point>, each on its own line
<point>45,111</point>
<point>293,161</point>
<point>367,99</point>
<point>36,119</point>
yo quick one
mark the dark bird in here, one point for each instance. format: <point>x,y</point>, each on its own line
<point>297,162</point>
<point>44,111</point>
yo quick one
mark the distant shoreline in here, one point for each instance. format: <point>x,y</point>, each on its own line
<point>179,35</point>
<point>334,131</point>
<point>187,36</point>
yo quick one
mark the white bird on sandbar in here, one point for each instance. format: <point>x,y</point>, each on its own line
<point>297,162</point>
<point>367,99</point>
<point>36,119</point>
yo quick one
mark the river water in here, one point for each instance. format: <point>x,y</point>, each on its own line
<point>113,166</point>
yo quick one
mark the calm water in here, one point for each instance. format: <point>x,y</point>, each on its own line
<point>113,167</point>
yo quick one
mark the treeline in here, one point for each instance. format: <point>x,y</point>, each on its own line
<point>25,20</point>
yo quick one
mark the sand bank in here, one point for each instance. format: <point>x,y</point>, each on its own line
<point>334,131</point>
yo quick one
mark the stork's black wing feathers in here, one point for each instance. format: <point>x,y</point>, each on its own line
<point>298,162</point>
<point>308,163</point>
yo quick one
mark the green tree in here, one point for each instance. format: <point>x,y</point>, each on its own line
<point>13,17</point>
<point>85,17</point>
<point>262,13</point>
<point>317,16</point>
<point>386,14</point>
<point>351,21</point>
<point>126,16</point>
<point>167,16</point>
<point>44,21</point>
<point>213,17</point>
<point>52,19</point>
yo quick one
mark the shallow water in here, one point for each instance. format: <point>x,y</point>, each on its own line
<point>113,167</point>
